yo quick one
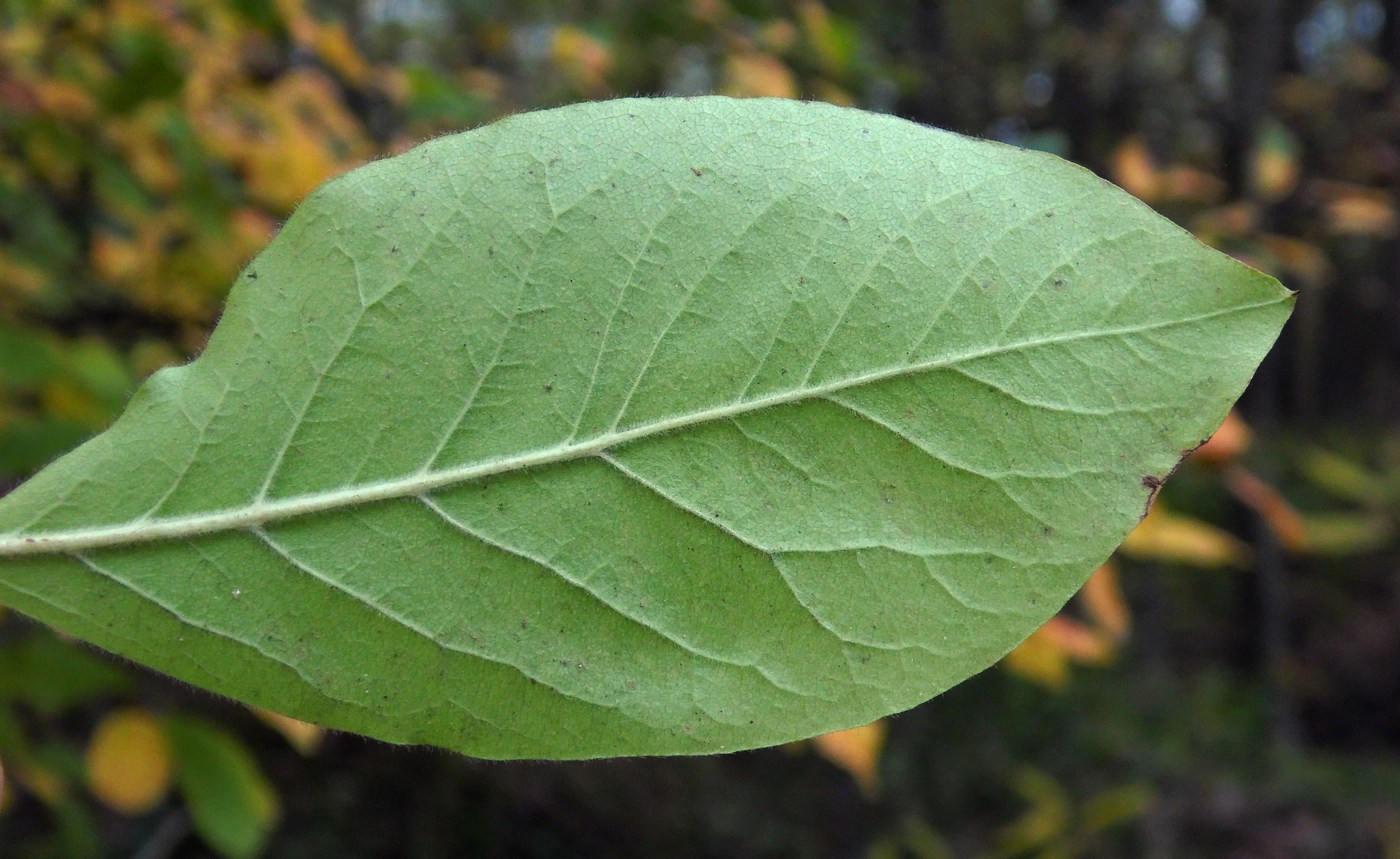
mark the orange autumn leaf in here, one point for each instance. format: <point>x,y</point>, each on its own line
<point>1080,642</point>
<point>128,762</point>
<point>1271,506</point>
<point>1227,443</point>
<point>1104,604</point>
<point>1362,212</point>
<point>1134,170</point>
<point>758,76</point>
<point>1185,184</point>
<point>857,751</point>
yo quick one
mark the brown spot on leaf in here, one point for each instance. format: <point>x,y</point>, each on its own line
<point>1154,485</point>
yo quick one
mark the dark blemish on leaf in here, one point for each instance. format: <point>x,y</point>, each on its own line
<point>525,624</point>
<point>394,249</point>
<point>697,171</point>
<point>549,389</point>
<point>252,275</point>
<point>687,728</point>
<point>1047,532</point>
<point>1050,214</point>
<point>1154,485</point>
<point>1060,283</point>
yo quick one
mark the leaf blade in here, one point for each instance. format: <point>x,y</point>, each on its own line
<point>721,372</point>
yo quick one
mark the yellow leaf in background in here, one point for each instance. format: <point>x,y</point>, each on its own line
<point>20,278</point>
<point>585,59</point>
<point>758,76</point>
<point>1040,660</point>
<point>65,398</point>
<point>144,148</point>
<point>303,736</point>
<point>857,751</point>
<point>1104,604</point>
<point>1274,169</point>
<point>334,47</point>
<point>1172,537</point>
<point>298,21</point>
<point>115,258</point>
<point>65,101</point>
<point>128,762</point>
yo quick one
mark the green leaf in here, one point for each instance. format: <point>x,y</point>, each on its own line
<point>231,803</point>
<point>647,427</point>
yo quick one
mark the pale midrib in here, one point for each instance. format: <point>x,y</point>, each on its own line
<point>263,512</point>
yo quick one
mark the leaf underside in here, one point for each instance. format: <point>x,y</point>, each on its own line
<point>647,427</point>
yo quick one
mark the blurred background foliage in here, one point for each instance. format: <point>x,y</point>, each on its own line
<point>1228,685</point>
